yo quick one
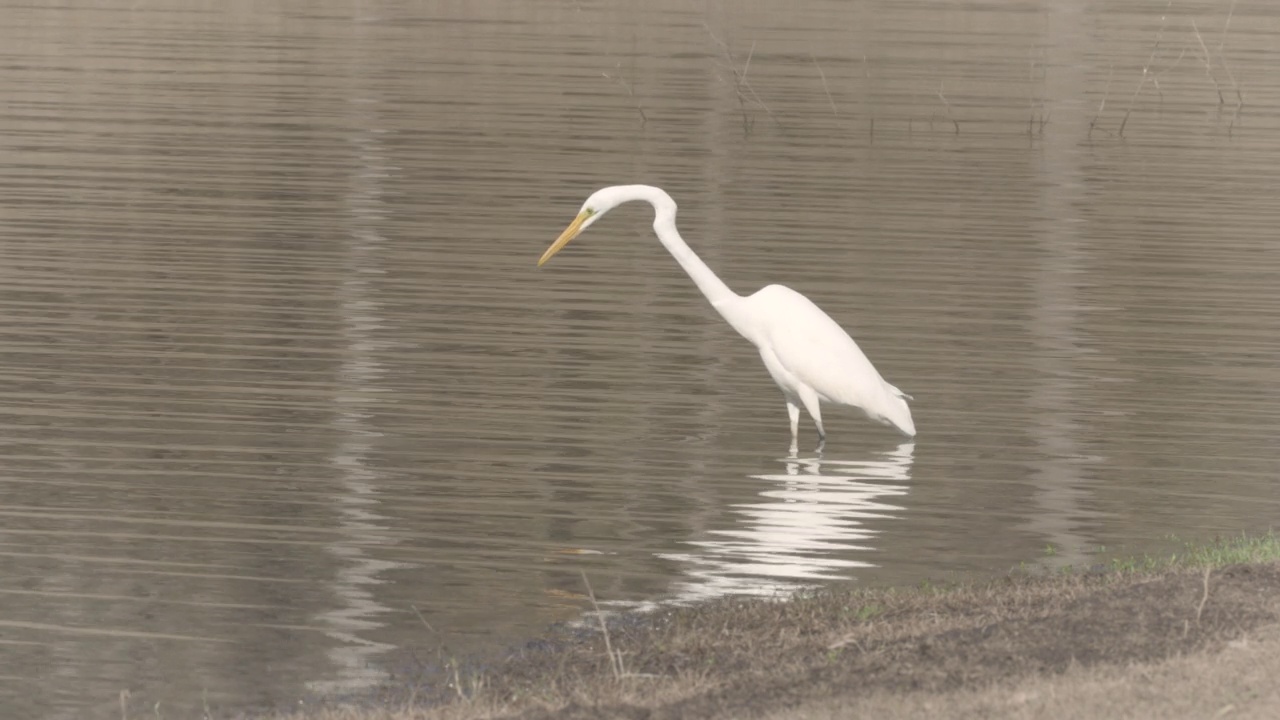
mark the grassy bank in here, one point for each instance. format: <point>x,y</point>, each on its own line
<point>1219,553</point>
<point>1179,636</point>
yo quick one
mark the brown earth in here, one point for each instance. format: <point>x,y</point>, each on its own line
<point>1177,643</point>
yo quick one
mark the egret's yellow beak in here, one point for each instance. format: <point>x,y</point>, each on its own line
<point>569,233</point>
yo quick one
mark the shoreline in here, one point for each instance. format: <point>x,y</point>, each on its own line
<point>1126,637</point>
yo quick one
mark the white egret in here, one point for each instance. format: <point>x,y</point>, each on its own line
<point>808,355</point>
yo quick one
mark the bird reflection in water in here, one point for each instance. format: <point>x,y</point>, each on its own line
<point>806,528</point>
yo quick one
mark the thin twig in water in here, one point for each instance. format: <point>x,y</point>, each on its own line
<point>740,80</point>
<point>1230,75</point>
<point>737,89</point>
<point>1031,98</point>
<point>824,83</point>
<point>1038,116</point>
<point>1221,56</point>
<point>124,705</point>
<point>752,90</point>
<point>1208,64</point>
<point>747,121</point>
<point>644,119</point>
<point>1146,70</point>
<point>615,662</point>
<point>943,98</point>
<point>1155,76</point>
<point>866,95</point>
<point>1106,92</point>
<point>424,620</point>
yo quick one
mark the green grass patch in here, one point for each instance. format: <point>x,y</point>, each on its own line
<point>1215,553</point>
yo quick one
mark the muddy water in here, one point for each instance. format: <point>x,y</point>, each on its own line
<point>277,369</point>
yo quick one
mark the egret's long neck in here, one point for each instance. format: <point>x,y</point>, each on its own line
<point>664,224</point>
<point>710,284</point>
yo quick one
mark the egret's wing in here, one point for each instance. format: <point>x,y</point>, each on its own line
<point>815,349</point>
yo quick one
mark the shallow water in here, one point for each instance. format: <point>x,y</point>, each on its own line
<point>278,372</point>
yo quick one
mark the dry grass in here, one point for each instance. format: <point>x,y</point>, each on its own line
<point>1126,642</point>
<point>1237,682</point>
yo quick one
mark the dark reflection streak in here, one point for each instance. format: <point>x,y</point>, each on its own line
<point>1059,489</point>
<point>357,500</point>
<point>711,344</point>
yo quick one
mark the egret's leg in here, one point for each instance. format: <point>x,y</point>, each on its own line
<point>793,411</point>
<point>810,400</point>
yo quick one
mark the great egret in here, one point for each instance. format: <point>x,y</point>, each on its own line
<point>808,355</point>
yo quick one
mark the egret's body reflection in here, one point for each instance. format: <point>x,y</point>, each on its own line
<point>807,527</point>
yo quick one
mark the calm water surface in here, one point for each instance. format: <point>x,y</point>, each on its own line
<point>277,368</point>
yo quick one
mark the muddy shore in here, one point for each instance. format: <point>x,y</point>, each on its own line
<point>1189,639</point>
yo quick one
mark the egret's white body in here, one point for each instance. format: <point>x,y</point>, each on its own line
<point>807,353</point>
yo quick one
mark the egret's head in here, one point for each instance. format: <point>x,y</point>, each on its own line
<point>600,202</point>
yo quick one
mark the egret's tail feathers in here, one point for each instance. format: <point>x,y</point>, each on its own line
<point>897,413</point>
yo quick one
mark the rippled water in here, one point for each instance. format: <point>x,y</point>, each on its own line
<point>277,372</point>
